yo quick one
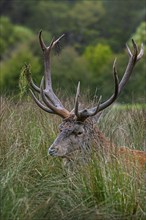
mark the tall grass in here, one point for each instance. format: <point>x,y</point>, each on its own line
<point>36,186</point>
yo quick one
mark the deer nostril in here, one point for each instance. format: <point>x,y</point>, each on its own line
<point>51,151</point>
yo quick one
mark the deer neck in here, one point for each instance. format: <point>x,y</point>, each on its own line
<point>100,141</point>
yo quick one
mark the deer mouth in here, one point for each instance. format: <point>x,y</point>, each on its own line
<point>57,151</point>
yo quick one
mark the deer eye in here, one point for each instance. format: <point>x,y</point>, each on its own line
<point>79,133</point>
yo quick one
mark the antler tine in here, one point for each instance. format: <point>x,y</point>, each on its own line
<point>76,109</point>
<point>59,111</point>
<point>114,96</point>
<point>96,109</point>
<point>141,53</point>
<point>100,107</point>
<point>135,49</point>
<point>56,41</point>
<point>29,78</point>
<point>46,101</point>
<point>83,114</point>
<point>52,44</point>
<point>43,46</point>
<point>40,104</point>
<point>128,50</point>
<point>132,61</point>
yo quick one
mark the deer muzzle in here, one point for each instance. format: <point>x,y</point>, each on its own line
<point>56,150</point>
<point>52,151</point>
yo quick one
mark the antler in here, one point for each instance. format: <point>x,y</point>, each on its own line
<point>133,59</point>
<point>51,102</point>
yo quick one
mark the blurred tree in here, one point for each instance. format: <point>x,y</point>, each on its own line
<point>6,39</point>
<point>50,16</point>
<point>98,56</point>
<point>11,68</point>
<point>135,91</point>
<point>11,35</point>
<point>14,42</point>
<point>100,60</point>
<point>85,21</point>
<point>140,35</point>
<point>19,11</point>
<point>121,19</point>
<point>80,19</point>
<point>68,68</point>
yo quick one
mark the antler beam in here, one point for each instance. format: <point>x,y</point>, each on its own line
<point>51,102</point>
<point>133,59</point>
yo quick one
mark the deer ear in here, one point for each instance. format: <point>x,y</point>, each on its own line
<point>97,117</point>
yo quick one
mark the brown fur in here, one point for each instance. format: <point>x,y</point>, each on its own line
<point>124,152</point>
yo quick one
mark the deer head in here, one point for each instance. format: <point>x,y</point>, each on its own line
<point>77,130</point>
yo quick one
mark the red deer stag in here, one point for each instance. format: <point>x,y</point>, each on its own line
<point>77,131</point>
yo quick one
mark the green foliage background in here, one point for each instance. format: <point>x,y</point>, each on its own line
<point>96,33</point>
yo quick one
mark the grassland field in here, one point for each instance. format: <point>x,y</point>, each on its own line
<point>35,186</point>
